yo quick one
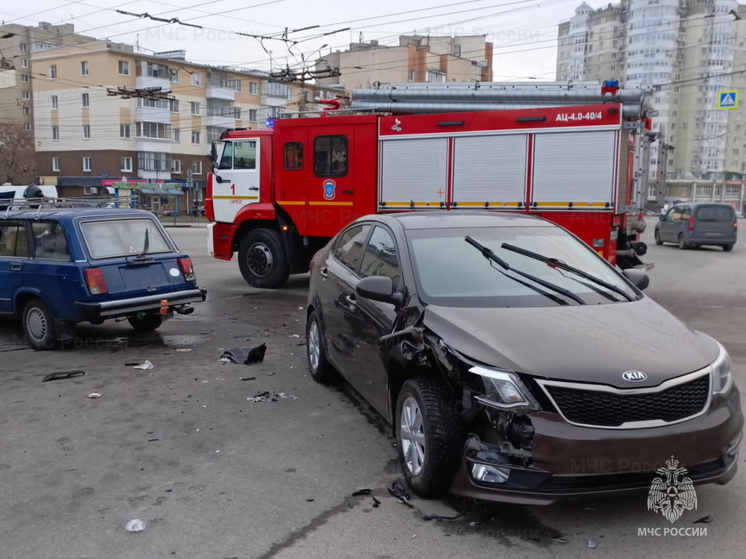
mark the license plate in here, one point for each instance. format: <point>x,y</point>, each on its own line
<point>713,234</point>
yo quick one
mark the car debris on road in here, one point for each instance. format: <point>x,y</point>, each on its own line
<point>62,375</point>
<point>242,356</point>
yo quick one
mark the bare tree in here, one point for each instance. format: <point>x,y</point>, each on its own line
<point>17,157</point>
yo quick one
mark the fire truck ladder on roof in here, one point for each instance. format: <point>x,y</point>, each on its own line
<point>413,98</point>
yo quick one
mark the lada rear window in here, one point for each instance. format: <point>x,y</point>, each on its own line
<point>122,237</point>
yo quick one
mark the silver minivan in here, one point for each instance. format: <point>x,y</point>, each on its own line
<point>695,224</point>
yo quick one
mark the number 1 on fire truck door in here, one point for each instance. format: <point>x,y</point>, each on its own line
<point>331,195</point>
<point>239,172</point>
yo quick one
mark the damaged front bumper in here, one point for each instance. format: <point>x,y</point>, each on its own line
<point>568,461</point>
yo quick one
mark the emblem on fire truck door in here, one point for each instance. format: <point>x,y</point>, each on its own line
<point>397,125</point>
<point>329,189</point>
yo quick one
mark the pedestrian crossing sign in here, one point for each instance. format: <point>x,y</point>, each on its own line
<point>728,99</point>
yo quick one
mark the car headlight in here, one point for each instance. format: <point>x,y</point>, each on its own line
<point>503,390</point>
<point>721,377</point>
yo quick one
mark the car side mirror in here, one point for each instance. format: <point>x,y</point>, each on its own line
<point>663,217</point>
<point>639,278</point>
<point>379,288</point>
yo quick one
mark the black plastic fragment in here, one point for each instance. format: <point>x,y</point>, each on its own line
<point>704,520</point>
<point>61,375</point>
<point>376,502</point>
<point>398,490</point>
<point>242,356</point>
<point>362,492</point>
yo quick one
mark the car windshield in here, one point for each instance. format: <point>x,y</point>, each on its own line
<point>450,272</point>
<point>122,237</point>
<point>714,213</point>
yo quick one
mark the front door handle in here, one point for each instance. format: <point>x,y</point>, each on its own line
<point>351,300</point>
<point>16,266</point>
<point>324,272</point>
<point>347,191</point>
<point>254,188</point>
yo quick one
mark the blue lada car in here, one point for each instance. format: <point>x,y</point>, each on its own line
<point>59,267</point>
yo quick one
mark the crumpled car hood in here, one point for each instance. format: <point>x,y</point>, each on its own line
<point>591,343</point>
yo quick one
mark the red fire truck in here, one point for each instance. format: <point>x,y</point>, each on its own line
<point>276,196</point>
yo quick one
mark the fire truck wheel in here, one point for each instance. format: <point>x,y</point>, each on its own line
<point>261,259</point>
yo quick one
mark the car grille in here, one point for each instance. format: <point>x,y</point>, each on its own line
<point>606,409</point>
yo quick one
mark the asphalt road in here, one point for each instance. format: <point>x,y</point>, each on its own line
<point>216,476</point>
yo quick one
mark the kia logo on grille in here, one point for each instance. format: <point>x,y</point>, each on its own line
<point>634,376</point>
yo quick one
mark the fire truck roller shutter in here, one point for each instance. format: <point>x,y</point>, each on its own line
<point>490,170</point>
<point>414,171</point>
<point>574,167</point>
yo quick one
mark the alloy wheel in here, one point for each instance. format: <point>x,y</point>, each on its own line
<point>412,436</point>
<point>314,345</point>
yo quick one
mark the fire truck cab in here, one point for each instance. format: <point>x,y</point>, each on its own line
<point>276,196</point>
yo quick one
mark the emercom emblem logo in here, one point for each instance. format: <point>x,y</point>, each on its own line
<point>672,492</point>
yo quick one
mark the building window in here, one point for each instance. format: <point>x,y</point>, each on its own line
<point>153,103</point>
<point>196,79</point>
<point>86,100</point>
<point>86,131</point>
<point>156,70</point>
<point>55,132</point>
<point>173,105</point>
<point>294,156</point>
<point>252,115</point>
<point>83,67</point>
<point>174,76</point>
<point>237,85</point>
<point>411,75</point>
<point>54,102</point>
<point>124,130</point>
<point>253,88</point>
<point>213,133</point>
<point>124,68</point>
<point>24,47</point>
<point>27,125</point>
<point>86,164</point>
<point>175,135</point>
<point>197,167</point>
<point>290,94</point>
<point>195,108</point>
<point>27,95</point>
<point>153,161</point>
<point>195,136</point>
<point>24,63</point>
<point>26,110</point>
<point>156,130</point>
<point>176,166</point>
<point>330,156</point>
<point>24,78</point>
<point>126,164</point>
<point>56,164</point>
<point>237,113</point>
<point>53,72</point>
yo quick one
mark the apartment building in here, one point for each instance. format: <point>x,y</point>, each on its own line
<point>416,58</point>
<point>17,44</point>
<point>91,126</point>
<point>686,52</point>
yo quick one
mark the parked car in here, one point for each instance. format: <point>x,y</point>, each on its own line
<point>514,362</point>
<point>60,267</point>
<point>696,224</point>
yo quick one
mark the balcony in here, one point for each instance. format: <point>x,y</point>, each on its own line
<point>221,114</point>
<point>150,74</point>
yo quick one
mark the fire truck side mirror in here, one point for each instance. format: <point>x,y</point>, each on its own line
<point>638,278</point>
<point>218,178</point>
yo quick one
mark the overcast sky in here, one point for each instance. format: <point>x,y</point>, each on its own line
<point>524,31</point>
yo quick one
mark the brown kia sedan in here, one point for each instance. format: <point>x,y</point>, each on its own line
<point>514,363</point>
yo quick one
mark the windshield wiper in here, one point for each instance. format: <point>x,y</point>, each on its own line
<point>490,255</point>
<point>145,247</point>
<point>554,263</point>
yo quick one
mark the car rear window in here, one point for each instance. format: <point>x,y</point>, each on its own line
<point>714,213</point>
<point>122,237</point>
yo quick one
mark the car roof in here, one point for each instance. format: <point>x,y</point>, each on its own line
<point>699,204</point>
<point>69,214</point>
<point>439,219</point>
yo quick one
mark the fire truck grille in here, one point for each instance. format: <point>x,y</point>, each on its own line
<point>605,409</point>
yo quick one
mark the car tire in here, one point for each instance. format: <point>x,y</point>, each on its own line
<point>147,323</point>
<point>429,435</point>
<point>727,248</point>
<point>262,260</point>
<point>682,242</point>
<point>320,369</point>
<point>39,325</point>
<point>658,238</point>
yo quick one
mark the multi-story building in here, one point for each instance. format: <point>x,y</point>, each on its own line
<point>17,44</point>
<point>686,53</point>
<point>95,125</point>
<point>417,58</point>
